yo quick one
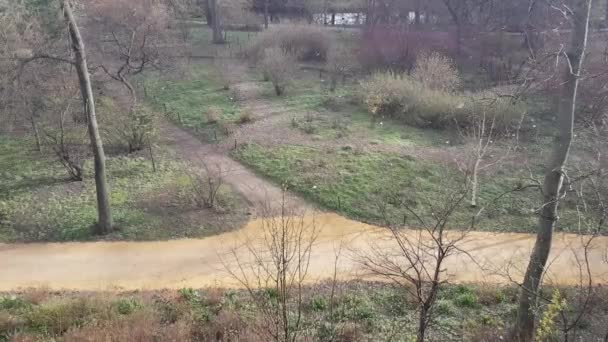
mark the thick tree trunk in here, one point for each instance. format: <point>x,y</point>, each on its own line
<point>216,24</point>
<point>104,224</point>
<point>208,16</point>
<point>266,13</point>
<point>36,133</point>
<point>554,177</point>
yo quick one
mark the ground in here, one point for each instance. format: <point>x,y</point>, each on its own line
<point>312,148</point>
<point>356,311</point>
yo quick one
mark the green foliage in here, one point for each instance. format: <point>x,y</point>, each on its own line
<point>12,303</point>
<point>127,306</point>
<point>546,325</point>
<point>445,307</point>
<point>57,317</point>
<point>319,303</point>
<point>467,300</point>
<point>353,307</point>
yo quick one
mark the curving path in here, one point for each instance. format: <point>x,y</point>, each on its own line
<point>199,263</point>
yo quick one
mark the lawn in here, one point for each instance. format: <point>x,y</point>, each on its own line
<point>188,101</point>
<point>375,187</point>
<point>37,203</point>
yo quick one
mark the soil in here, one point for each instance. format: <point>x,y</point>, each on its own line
<point>485,258</point>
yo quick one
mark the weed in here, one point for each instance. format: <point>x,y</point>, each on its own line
<point>127,306</point>
<point>57,317</point>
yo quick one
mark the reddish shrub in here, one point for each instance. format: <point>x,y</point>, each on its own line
<point>387,48</point>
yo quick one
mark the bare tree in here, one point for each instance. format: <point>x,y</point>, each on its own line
<point>131,38</point>
<point>276,270</point>
<point>104,222</point>
<point>553,190</point>
<point>414,259</point>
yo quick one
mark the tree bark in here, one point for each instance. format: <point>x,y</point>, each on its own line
<point>266,13</point>
<point>104,223</point>
<point>554,177</point>
<point>216,24</point>
<point>208,16</point>
<point>36,133</point>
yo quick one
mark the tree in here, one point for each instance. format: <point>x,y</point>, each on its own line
<point>216,24</point>
<point>104,222</point>
<point>130,39</point>
<point>415,259</point>
<point>553,186</point>
<point>275,271</point>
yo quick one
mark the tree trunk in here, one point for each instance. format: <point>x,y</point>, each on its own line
<point>36,133</point>
<point>216,24</point>
<point>266,14</point>
<point>333,19</point>
<point>104,223</point>
<point>554,178</point>
<point>475,182</point>
<point>208,15</point>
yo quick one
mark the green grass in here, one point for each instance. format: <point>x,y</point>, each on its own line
<point>372,187</point>
<point>37,203</point>
<point>189,99</point>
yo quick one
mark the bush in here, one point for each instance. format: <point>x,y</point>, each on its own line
<point>135,129</point>
<point>340,62</point>
<point>279,66</point>
<point>385,48</point>
<point>57,317</point>
<point>305,42</point>
<point>436,71</point>
<point>214,114</point>
<point>403,98</point>
<point>245,117</point>
<point>127,306</point>
<point>466,300</point>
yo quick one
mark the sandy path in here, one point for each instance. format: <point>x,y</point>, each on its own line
<point>260,193</point>
<point>197,263</point>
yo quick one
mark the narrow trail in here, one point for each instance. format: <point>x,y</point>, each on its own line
<point>260,193</point>
<point>115,266</point>
<point>485,257</point>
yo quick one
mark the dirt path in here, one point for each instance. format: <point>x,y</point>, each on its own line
<point>260,193</point>
<point>198,263</point>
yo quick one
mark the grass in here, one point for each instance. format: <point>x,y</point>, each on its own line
<point>188,100</point>
<point>38,204</point>
<point>359,311</point>
<point>373,186</point>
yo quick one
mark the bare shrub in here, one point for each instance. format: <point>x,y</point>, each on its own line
<point>305,42</point>
<point>68,141</point>
<point>275,271</point>
<point>245,117</point>
<point>214,114</point>
<point>340,62</point>
<point>134,129</point>
<point>227,71</point>
<point>279,66</point>
<point>141,326</point>
<point>205,185</point>
<point>401,97</point>
<point>388,48</point>
<point>436,71</point>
